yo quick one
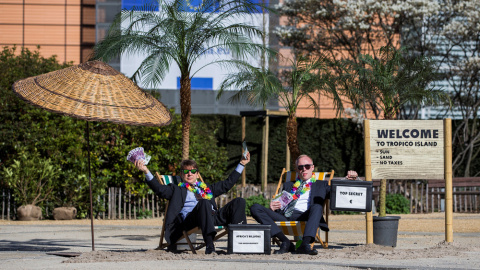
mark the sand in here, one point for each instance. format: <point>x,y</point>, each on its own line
<point>420,245</point>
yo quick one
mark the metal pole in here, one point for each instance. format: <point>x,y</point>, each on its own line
<point>90,184</point>
<point>368,177</point>
<point>244,177</point>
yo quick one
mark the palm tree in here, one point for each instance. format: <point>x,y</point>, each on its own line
<point>390,82</point>
<point>305,77</point>
<point>176,36</point>
<point>393,80</point>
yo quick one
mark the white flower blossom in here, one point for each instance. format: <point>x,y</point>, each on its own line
<point>355,115</point>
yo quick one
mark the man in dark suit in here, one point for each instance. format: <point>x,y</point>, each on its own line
<point>192,203</point>
<point>309,196</point>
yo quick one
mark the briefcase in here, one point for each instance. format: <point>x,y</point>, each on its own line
<point>249,239</point>
<point>351,195</point>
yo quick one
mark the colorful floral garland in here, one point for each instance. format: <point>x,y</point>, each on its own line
<point>203,191</point>
<point>305,188</point>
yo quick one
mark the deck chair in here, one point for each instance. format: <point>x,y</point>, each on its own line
<point>221,230</point>
<point>296,228</point>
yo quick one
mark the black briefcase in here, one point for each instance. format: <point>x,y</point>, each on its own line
<point>351,195</point>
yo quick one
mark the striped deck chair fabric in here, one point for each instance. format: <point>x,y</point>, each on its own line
<point>296,228</point>
<point>221,230</point>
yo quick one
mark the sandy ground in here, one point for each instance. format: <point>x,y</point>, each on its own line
<point>127,244</point>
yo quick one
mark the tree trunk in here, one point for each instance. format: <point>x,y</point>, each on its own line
<point>292,137</point>
<point>383,194</point>
<point>186,107</point>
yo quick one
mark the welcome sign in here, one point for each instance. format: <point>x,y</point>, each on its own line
<point>407,149</point>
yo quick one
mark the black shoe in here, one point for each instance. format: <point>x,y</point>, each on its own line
<point>210,250</point>
<point>306,249</point>
<point>324,227</point>
<point>285,247</point>
<point>172,248</point>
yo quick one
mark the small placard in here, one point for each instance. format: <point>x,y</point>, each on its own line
<point>349,195</point>
<point>249,239</point>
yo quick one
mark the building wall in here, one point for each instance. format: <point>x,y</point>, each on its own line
<point>65,28</point>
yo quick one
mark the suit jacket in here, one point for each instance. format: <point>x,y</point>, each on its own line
<point>319,192</point>
<point>177,196</point>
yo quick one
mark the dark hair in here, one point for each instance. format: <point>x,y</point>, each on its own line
<point>188,163</point>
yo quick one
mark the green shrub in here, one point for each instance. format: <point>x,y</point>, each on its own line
<point>31,178</point>
<point>397,204</point>
<point>346,213</point>
<point>144,214</point>
<point>253,200</point>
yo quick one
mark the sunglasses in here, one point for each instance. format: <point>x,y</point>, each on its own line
<point>192,170</point>
<point>306,166</point>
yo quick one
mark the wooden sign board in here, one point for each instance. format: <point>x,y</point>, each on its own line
<point>407,149</point>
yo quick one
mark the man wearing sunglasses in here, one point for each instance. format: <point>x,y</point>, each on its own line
<point>307,205</point>
<point>192,203</point>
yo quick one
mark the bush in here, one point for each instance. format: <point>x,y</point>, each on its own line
<point>31,178</point>
<point>397,204</point>
<point>144,214</point>
<point>253,200</point>
<point>346,213</point>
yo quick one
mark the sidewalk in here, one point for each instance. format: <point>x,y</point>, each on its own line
<point>131,244</point>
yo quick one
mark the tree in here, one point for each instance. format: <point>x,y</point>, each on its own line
<point>306,76</point>
<point>459,54</point>
<point>343,30</point>
<point>446,31</point>
<point>389,82</point>
<point>15,64</point>
<point>177,36</point>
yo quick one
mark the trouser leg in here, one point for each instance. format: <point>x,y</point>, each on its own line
<point>267,217</point>
<point>202,216</point>
<point>232,213</point>
<point>312,216</point>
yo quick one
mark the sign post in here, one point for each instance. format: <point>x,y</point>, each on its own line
<point>410,149</point>
<point>368,177</point>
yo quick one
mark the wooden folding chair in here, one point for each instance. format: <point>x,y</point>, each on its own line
<point>221,230</point>
<point>296,228</point>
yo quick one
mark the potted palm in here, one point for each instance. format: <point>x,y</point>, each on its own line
<point>305,77</point>
<point>386,84</point>
<point>32,181</point>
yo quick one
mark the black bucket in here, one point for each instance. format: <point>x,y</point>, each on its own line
<point>385,230</point>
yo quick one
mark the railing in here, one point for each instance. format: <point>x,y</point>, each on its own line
<point>429,195</point>
<point>424,196</point>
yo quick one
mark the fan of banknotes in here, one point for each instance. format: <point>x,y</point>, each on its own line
<point>137,154</point>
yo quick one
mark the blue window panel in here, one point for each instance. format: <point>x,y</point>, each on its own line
<point>130,4</point>
<point>199,83</point>
<point>188,6</point>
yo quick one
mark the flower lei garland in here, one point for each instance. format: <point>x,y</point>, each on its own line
<point>203,191</point>
<point>305,188</point>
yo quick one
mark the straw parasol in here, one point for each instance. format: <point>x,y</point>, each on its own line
<point>93,91</point>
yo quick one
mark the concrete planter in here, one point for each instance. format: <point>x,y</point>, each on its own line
<point>64,213</point>
<point>29,212</point>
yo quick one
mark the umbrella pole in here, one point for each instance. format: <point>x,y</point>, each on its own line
<point>90,184</point>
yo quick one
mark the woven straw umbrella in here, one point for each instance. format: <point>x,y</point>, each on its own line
<point>93,91</point>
